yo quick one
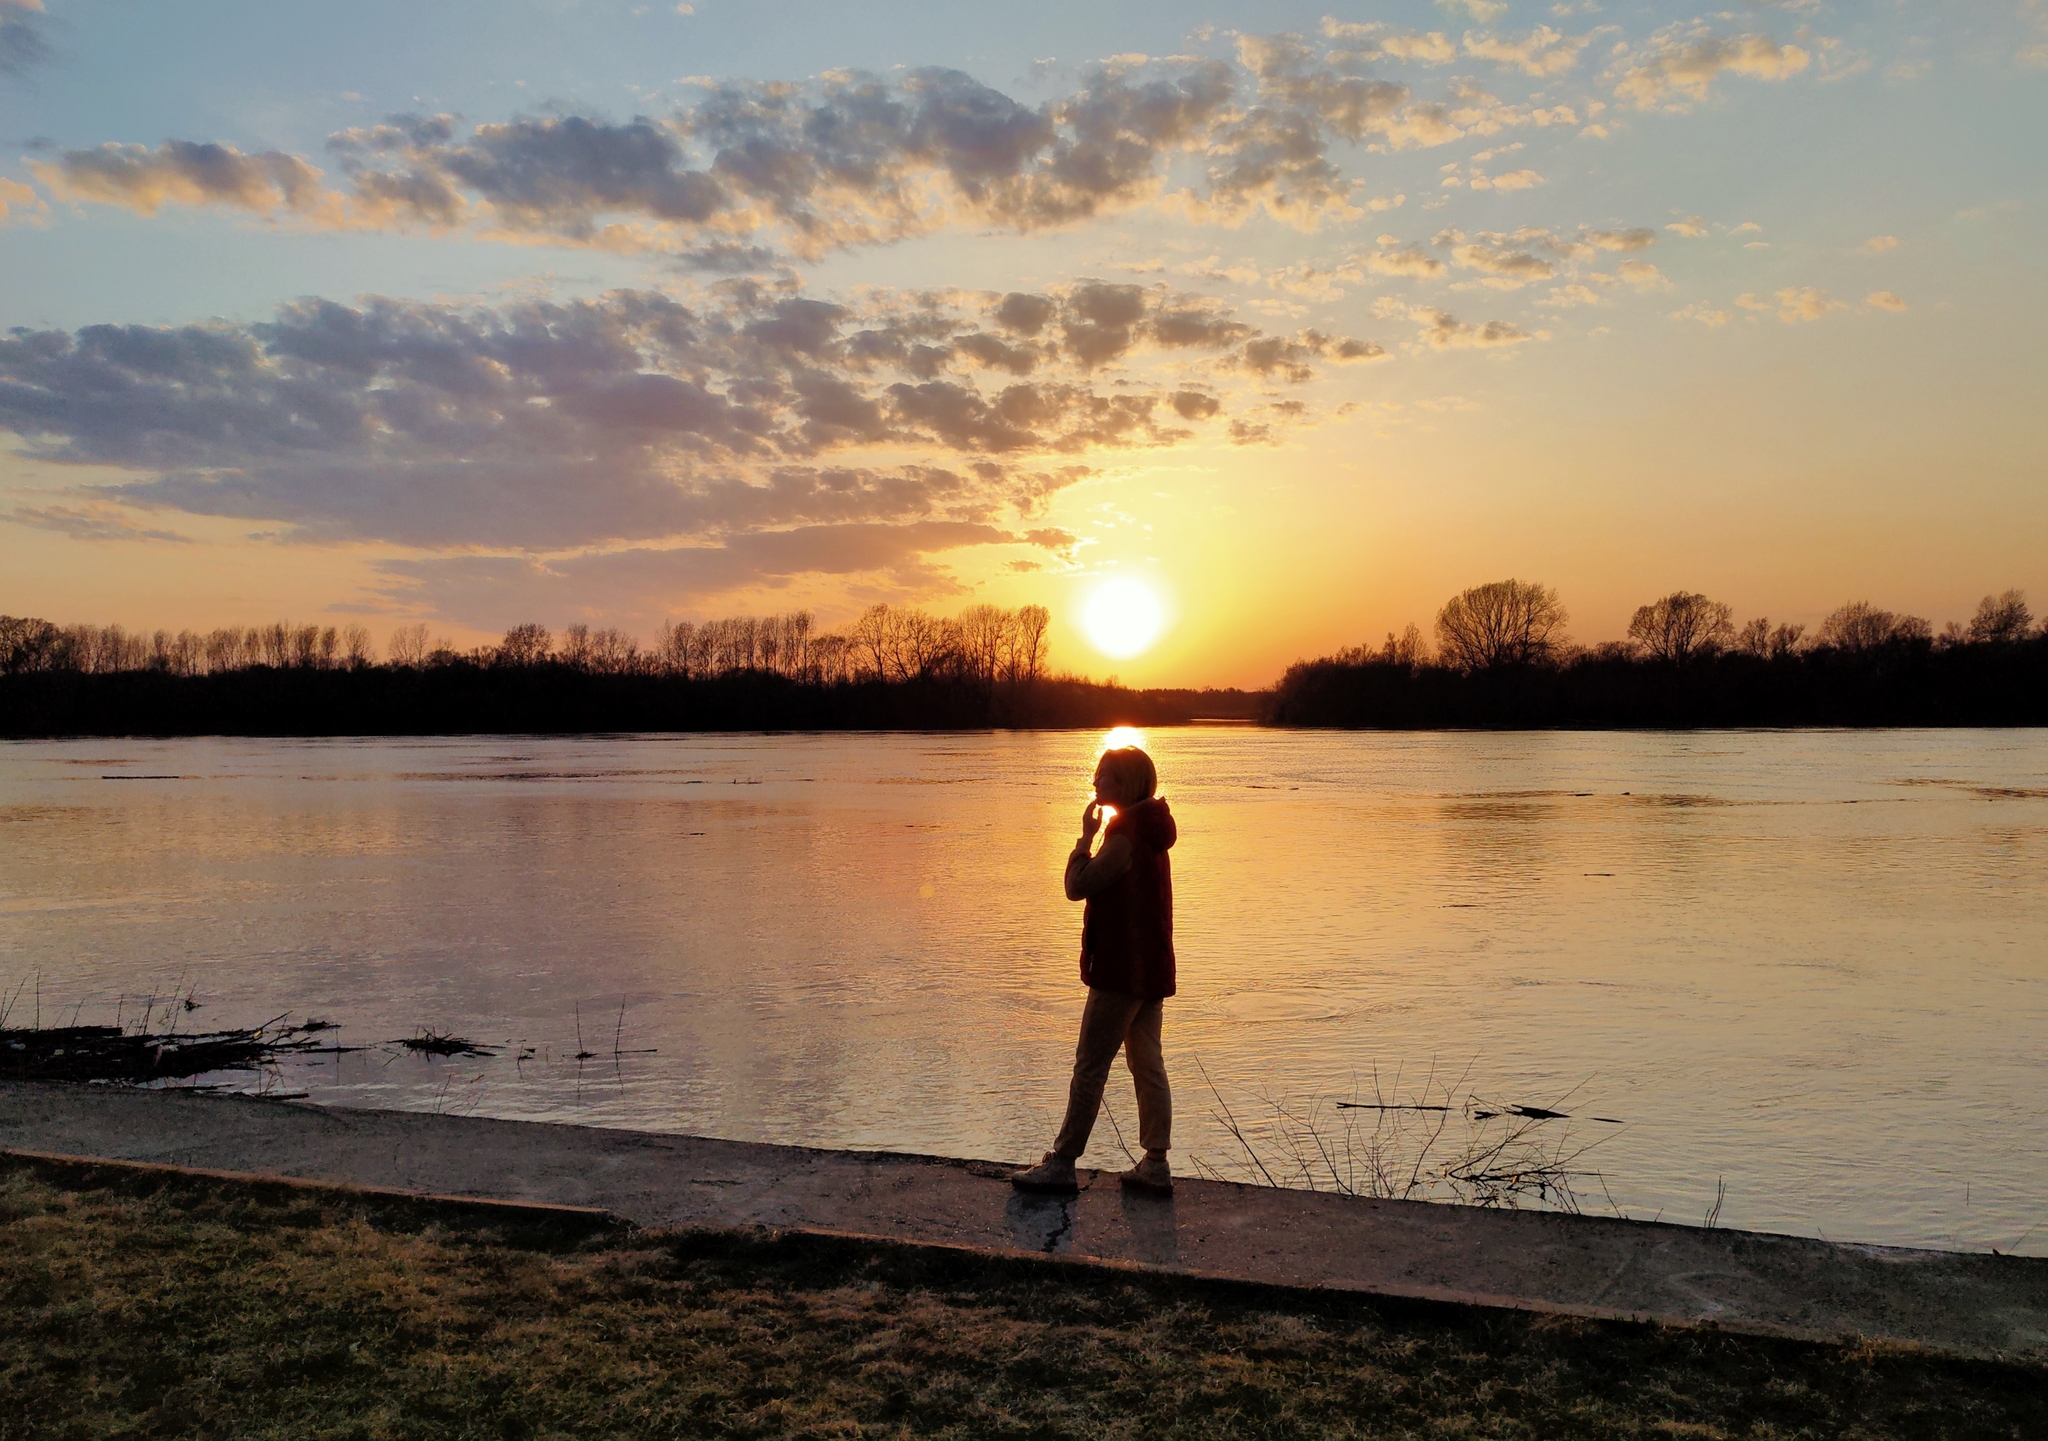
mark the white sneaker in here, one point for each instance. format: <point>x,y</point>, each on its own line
<point>1151,1175</point>
<point>1055,1174</point>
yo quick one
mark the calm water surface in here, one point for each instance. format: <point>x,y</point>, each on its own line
<point>1812,967</point>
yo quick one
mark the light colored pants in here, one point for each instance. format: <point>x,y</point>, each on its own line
<point>1111,1022</point>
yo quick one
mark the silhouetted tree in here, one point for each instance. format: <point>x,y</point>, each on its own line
<point>2001,619</point>
<point>1502,623</point>
<point>1760,639</point>
<point>357,648</point>
<point>525,645</point>
<point>1860,626</point>
<point>1682,625</point>
<point>408,647</point>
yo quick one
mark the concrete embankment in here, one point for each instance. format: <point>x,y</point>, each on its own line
<point>1965,1304</point>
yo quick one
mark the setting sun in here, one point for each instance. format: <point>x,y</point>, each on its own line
<point>1122,618</point>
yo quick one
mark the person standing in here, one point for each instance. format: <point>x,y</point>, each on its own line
<point>1127,964</point>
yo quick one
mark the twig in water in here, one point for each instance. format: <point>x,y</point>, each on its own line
<point>1230,1122</point>
<point>1713,1216</point>
<point>1117,1131</point>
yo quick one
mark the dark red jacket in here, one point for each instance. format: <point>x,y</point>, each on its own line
<point>1127,930</point>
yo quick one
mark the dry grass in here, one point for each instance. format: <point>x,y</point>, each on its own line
<point>200,1309</point>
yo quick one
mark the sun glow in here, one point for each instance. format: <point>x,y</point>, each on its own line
<point>1121,737</point>
<point>1122,618</point>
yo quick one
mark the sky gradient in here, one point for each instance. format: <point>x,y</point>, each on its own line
<point>1305,317</point>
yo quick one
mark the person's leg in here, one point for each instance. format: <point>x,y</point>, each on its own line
<point>1105,1021</point>
<point>1142,1052</point>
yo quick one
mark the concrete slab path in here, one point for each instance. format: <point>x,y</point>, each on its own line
<point>1965,1304</point>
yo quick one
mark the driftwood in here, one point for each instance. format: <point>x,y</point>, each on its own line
<point>112,1053</point>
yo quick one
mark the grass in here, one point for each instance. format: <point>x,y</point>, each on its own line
<point>175,1307</point>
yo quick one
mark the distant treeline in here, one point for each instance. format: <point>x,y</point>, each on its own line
<point>894,669</point>
<point>1502,661</point>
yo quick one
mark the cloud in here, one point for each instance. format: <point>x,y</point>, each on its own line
<point>1483,11</point>
<point>1542,52</point>
<point>854,159</point>
<point>1704,313</point>
<point>493,591</point>
<point>1409,260</point>
<point>1879,244</point>
<point>1798,304</point>
<point>1372,41</point>
<point>1513,180</point>
<point>1884,300</point>
<point>96,520</point>
<point>1642,275</point>
<point>1692,227</point>
<point>1675,69</point>
<point>22,46</point>
<point>753,170</point>
<point>142,180</point>
<point>18,201</point>
<point>634,416</point>
<point>1510,259</point>
<point>1444,331</point>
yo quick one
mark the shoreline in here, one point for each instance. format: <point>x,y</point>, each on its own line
<point>1588,1267</point>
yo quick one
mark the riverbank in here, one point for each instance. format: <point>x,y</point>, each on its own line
<point>189,1306</point>
<point>1969,1305</point>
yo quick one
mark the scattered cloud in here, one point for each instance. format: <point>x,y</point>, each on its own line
<point>1542,52</point>
<point>1879,244</point>
<point>20,202</point>
<point>1444,331</point>
<point>636,417</point>
<point>1676,69</point>
<point>1704,313</point>
<point>1485,12</point>
<point>1692,227</point>
<point>1642,275</point>
<point>1371,41</point>
<point>1884,300</point>
<point>1513,180</point>
<point>1804,303</point>
<point>1409,260</point>
<point>22,46</point>
<point>96,520</point>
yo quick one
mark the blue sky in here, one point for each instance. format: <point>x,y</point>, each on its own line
<point>1340,309</point>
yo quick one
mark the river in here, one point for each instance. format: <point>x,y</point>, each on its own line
<point>1803,973</point>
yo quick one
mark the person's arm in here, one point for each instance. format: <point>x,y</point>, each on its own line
<point>1091,877</point>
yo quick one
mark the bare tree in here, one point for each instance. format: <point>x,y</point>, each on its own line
<point>2001,619</point>
<point>576,646</point>
<point>358,650</point>
<point>525,645</point>
<point>408,646</point>
<point>28,644</point>
<point>870,640</point>
<point>613,652</point>
<point>1028,650</point>
<point>984,629</point>
<point>1502,623</point>
<point>1760,639</point>
<point>1861,626</point>
<point>672,647</point>
<point>831,659</point>
<point>1682,625</point>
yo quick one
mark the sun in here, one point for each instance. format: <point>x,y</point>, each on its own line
<point>1122,618</point>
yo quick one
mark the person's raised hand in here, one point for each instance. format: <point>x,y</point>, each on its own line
<point>1091,820</point>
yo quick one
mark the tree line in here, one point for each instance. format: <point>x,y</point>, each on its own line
<point>892,668</point>
<point>1503,658</point>
<point>984,643</point>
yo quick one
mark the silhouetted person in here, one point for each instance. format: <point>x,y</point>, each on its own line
<point>1127,965</point>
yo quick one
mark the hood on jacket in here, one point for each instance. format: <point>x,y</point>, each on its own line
<point>1149,822</point>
